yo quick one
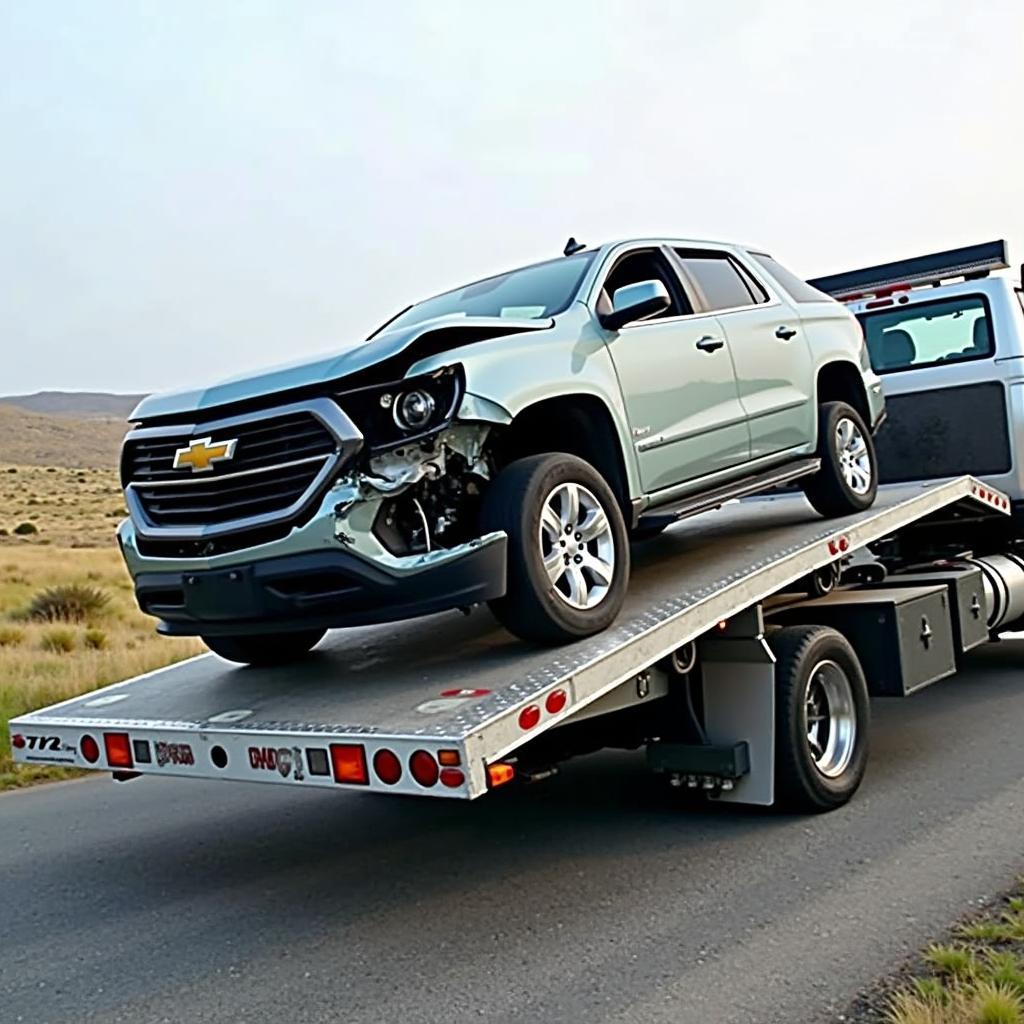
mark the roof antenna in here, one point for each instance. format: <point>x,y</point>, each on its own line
<point>572,247</point>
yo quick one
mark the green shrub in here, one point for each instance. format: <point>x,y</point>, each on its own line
<point>69,603</point>
<point>95,639</point>
<point>58,641</point>
<point>11,636</point>
<point>24,529</point>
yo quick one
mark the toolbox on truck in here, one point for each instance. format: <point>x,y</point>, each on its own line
<point>902,635</point>
<point>965,584</point>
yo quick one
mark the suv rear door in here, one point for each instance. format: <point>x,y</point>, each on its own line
<point>770,352</point>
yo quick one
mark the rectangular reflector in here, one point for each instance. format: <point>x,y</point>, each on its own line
<point>349,763</point>
<point>119,750</point>
<point>316,760</point>
<point>498,774</point>
<point>449,758</point>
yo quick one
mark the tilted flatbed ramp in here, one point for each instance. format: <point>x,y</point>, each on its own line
<point>453,684</point>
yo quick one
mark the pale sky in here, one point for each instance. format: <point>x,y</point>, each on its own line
<point>190,189</point>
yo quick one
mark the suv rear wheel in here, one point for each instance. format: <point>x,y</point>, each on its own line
<point>848,479</point>
<point>568,553</point>
<point>265,648</point>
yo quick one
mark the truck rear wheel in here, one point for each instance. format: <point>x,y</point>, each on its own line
<point>848,479</point>
<point>568,552</point>
<point>265,648</point>
<point>821,719</point>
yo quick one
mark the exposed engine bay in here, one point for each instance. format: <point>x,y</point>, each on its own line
<point>431,490</point>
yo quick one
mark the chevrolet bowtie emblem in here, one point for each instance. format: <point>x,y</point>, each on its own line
<point>203,452</point>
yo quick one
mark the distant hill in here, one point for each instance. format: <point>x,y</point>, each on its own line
<point>81,404</point>
<point>33,439</point>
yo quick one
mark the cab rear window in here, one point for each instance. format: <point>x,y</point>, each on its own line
<point>928,333</point>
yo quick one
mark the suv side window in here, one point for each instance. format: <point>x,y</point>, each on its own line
<point>928,333</point>
<point>723,282</point>
<point>645,265</point>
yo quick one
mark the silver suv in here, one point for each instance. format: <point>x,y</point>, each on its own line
<point>500,442</point>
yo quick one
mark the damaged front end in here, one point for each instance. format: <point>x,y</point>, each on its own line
<point>392,531</point>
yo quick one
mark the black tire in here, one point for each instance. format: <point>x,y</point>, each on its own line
<point>828,490</point>
<point>265,648</point>
<point>533,606</point>
<point>800,784</point>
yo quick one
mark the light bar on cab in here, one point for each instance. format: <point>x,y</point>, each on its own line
<point>969,261</point>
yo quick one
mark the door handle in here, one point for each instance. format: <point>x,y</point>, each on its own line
<point>785,333</point>
<point>709,344</point>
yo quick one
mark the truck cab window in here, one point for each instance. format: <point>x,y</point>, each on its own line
<point>928,333</point>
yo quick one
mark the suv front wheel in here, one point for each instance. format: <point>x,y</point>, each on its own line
<point>568,552</point>
<point>848,479</point>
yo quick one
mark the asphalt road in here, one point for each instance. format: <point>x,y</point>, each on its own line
<point>589,898</point>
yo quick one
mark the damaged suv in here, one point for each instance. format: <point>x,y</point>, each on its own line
<point>499,443</point>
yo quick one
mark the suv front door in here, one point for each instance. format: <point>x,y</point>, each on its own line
<point>677,380</point>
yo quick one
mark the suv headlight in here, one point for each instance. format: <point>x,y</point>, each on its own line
<point>414,409</point>
<point>389,415</point>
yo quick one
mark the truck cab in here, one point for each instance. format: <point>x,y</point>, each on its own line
<point>945,333</point>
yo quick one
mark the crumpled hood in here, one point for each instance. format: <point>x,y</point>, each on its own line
<point>330,368</point>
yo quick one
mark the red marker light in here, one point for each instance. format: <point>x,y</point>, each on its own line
<point>90,749</point>
<point>119,749</point>
<point>556,700</point>
<point>424,768</point>
<point>529,717</point>
<point>349,763</point>
<point>387,767</point>
<point>452,777</point>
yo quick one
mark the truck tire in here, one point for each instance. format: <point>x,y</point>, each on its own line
<point>265,648</point>
<point>819,761</point>
<point>568,551</point>
<point>848,479</point>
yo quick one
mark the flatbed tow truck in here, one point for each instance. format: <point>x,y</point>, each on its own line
<point>453,707</point>
<point>741,661</point>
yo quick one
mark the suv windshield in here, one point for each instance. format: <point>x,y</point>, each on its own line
<point>530,293</point>
<point>928,333</point>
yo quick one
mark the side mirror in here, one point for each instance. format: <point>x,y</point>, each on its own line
<point>638,301</point>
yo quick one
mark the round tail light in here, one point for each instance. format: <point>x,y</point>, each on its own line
<point>90,749</point>
<point>387,767</point>
<point>529,717</point>
<point>424,768</point>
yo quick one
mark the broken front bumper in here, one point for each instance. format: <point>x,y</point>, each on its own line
<point>329,572</point>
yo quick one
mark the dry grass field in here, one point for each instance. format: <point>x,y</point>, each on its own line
<point>39,439</point>
<point>75,513</point>
<point>58,507</point>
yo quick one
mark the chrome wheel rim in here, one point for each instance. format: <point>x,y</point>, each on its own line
<point>854,458</point>
<point>830,719</point>
<point>577,546</point>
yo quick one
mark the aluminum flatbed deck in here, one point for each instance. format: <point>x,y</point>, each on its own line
<point>454,684</point>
